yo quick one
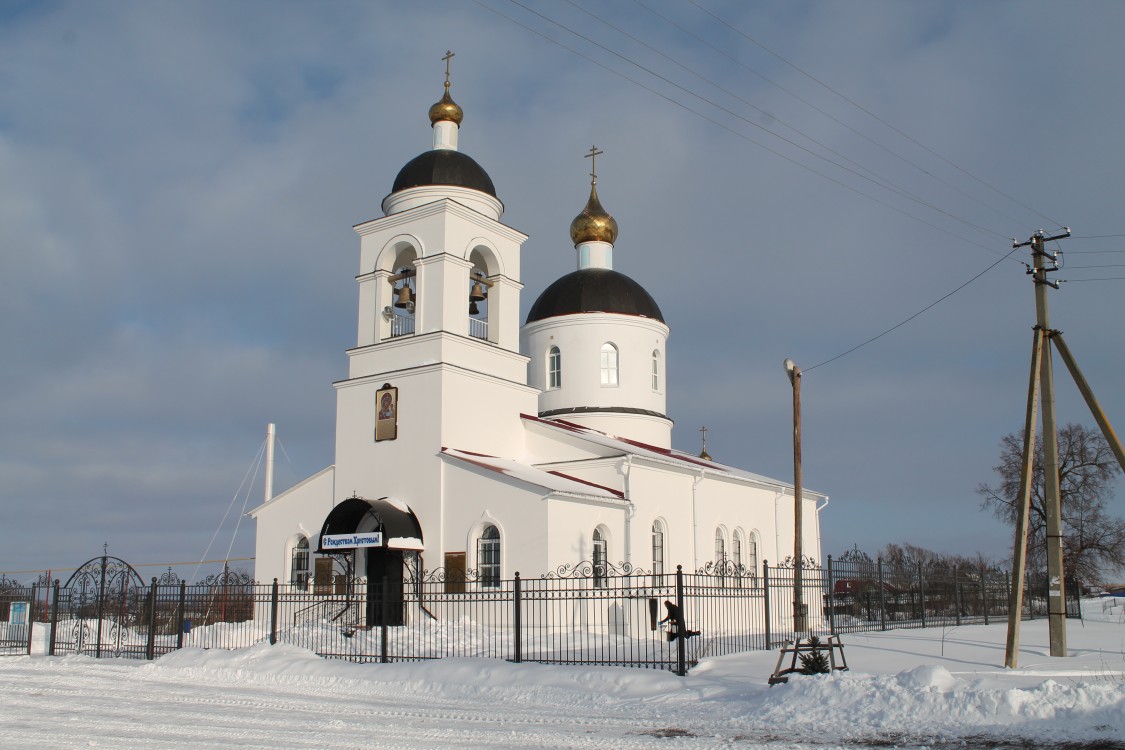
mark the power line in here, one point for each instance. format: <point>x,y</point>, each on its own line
<point>886,183</point>
<point>827,114</point>
<point>863,109</point>
<point>719,124</point>
<point>915,315</point>
<point>1104,278</point>
<point>746,120</point>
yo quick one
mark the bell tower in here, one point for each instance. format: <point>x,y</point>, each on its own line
<point>439,296</point>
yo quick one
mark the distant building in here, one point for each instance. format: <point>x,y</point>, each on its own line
<point>468,442</point>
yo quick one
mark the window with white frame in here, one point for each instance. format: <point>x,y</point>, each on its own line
<point>609,364</point>
<point>488,557</point>
<point>736,551</point>
<point>600,560</point>
<point>299,563</point>
<point>554,368</point>
<point>657,548</point>
<point>720,547</point>
<point>752,554</point>
<point>655,370</point>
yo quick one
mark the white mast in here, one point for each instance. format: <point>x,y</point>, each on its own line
<point>271,435</point>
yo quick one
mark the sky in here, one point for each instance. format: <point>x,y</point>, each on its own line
<point>178,183</point>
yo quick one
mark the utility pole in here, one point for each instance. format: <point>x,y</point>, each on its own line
<point>1045,337</point>
<point>800,624</point>
<point>1056,587</point>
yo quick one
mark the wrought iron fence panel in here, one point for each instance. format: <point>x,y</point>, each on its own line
<point>728,611</point>
<point>18,604</point>
<point>584,613</point>
<point>780,590</point>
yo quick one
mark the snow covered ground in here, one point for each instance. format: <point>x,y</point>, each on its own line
<point>906,688</point>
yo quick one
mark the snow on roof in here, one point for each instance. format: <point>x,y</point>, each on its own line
<point>654,452</point>
<point>552,480</point>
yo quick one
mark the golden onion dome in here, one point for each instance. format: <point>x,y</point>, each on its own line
<point>594,224</point>
<point>446,110</point>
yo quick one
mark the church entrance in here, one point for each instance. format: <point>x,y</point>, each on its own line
<point>387,534</point>
<point>385,604</point>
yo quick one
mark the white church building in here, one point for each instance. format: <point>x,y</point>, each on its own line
<point>469,442</point>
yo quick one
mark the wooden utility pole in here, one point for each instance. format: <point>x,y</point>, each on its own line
<point>1056,587</point>
<point>800,623</point>
<point>1056,577</point>
<point>1019,555</point>
<point>1041,372</point>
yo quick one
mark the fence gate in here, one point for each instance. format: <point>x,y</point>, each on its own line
<point>17,610</point>
<point>98,610</point>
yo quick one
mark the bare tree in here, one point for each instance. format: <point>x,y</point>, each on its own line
<point>1093,541</point>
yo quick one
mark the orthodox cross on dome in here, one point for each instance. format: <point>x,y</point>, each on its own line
<point>703,453</point>
<point>448,56</point>
<point>593,157</point>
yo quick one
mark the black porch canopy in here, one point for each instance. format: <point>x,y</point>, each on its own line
<point>398,523</point>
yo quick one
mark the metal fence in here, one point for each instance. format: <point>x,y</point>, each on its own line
<point>578,614</point>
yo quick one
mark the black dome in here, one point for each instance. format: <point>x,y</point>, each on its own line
<point>444,167</point>
<point>594,290</point>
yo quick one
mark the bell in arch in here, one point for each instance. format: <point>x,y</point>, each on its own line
<point>477,292</point>
<point>473,309</point>
<point>404,297</point>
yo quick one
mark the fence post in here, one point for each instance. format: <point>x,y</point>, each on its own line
<point>385,607</point>
<point>150,648</point>
<point>54,619</point>
<point>180,615</point>
<point>273,612</point>
<point>831,599</point>
<point>516,620</point>
<point>681,642</point>
<point>984,594</point>
<point>956,596</point>
<point>922,591</point>
<point>766,597</point>
<point>882,597</point>
<point>31,615</point>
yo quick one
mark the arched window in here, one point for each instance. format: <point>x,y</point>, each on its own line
<point>658,553</point>
<point>609,364</point>
<point>554,368</point>
<point>488,557</point>
<point>601,559</point>
<point>736,561</point>
<point>656,370</point>
<point>720,553</point>
<point>752,554</point>
<point>720,546</point>
<point>299,563</point>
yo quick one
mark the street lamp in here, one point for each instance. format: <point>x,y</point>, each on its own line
<point>799,614</point>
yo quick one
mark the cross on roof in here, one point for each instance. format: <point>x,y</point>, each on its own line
<point>593,157</point>
<point>447,58</point>
<point>703,430</point>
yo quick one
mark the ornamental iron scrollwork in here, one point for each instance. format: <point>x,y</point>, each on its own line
<point>452,575</point>
<point>591,569</point>
<point>102,594</point>
<point>807,563</point>
<point>228,578</point>
<point>726,569</point>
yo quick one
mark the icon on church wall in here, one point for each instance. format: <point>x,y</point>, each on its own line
<point>386,413</point>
